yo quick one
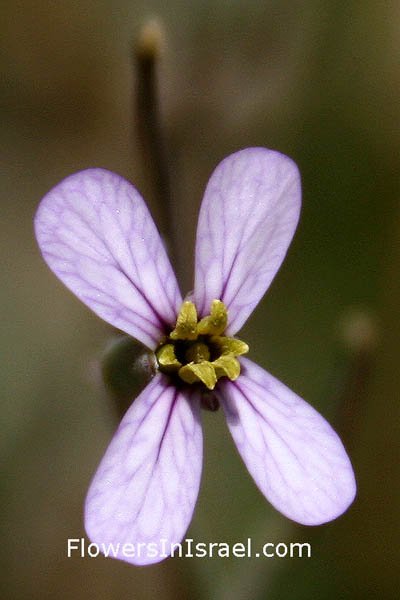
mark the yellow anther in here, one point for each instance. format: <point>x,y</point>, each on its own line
<point>216,322</point>
<point>227,365</point>
<point>204,372</point>
<point>186,323</point>
<point>227,345</point>
<point>167,359</point>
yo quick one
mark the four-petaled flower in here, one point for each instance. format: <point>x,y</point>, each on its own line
<point>97,235</point>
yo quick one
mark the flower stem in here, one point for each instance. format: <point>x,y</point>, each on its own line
<point>147,52</point>
<point>360,335</point>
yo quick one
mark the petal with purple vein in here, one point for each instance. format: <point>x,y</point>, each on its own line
<point>292,453</point>
<point>97,235</point>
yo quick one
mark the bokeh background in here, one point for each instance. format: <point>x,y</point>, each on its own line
<point>318,80</point>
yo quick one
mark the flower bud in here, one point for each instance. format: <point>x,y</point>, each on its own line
<point>127,367</point>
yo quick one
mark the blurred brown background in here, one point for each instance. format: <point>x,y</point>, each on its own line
<point>318,80</point>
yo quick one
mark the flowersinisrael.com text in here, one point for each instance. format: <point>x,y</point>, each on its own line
<point>188,549</point>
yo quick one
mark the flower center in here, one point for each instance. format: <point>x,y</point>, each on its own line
<point>196,351</point>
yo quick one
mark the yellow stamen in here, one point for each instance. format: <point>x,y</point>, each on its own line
<point>191,345</point>
<point>186,324</point>
<point>167,359</point>
<point>227,345</point>
<point>216,322</point>
<point>204,372</point>
<point>227,365</point>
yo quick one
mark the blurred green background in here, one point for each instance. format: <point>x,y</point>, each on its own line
<point>317,80</point>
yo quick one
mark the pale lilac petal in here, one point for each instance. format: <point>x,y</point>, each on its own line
<point>293,454</point>
<point>97,235</point>
<point>247,219</point>
<point>146,486</point>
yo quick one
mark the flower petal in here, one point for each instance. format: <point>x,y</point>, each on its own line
<point>247,219</point>
<point>293,454</point>
<point>97,235</point>
<point>146,486</point>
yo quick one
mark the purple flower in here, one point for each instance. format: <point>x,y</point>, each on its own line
<point>97,235</point>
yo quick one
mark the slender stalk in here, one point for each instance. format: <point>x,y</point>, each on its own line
<point>353,401</point>
<point>360,336</point>
<point>147,53</point>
